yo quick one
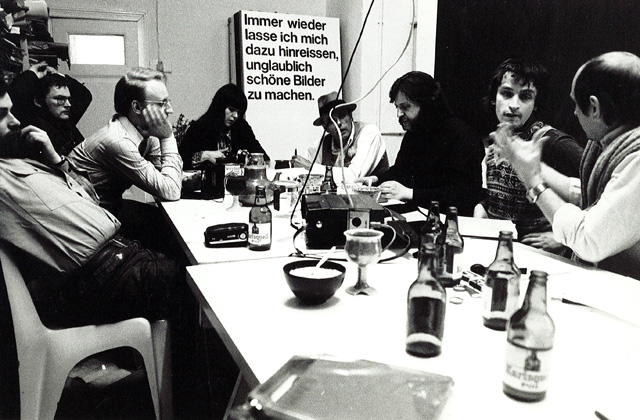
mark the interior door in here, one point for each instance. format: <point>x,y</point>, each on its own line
<point>100,75</point>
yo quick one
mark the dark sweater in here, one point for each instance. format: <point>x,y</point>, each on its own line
<point>441,162</point>
<point>201,136</point>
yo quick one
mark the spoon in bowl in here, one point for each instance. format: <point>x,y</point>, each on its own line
<point>325,258</point>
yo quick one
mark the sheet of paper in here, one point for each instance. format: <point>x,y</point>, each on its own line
<point>484,228</point>
<point>595,288</point>
<point>470,226</point>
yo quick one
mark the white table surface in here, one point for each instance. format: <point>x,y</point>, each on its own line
<point>190,217</point>
<point>595,358</point>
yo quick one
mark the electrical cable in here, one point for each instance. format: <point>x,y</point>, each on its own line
<point>299,253</point>
<point>315,157</point>
<point>404,50</point>
<point>333,121</point>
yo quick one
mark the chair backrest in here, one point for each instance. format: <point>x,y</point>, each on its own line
<point>26,321</point>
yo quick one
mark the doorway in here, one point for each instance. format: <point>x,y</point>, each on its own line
<point>132,30</point>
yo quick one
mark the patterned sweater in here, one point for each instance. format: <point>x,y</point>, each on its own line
<point>507,196</point>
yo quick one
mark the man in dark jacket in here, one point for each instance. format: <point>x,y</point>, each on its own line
<point>440,156</point>
<point>52,102</point>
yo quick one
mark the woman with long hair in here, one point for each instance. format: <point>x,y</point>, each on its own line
<point>221,134</point>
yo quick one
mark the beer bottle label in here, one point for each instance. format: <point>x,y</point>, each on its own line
<point>500,297</point>
<point>456,272</point>
<point>260,234</point>
<point>426,317</point>
<point>527,370</point>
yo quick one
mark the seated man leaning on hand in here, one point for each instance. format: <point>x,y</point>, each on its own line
<point>363,149</point>
<point>440,156</point>
<point>51,216</point>
<point>516,93</point>
<point>137,147</point>
<point>597,215</point>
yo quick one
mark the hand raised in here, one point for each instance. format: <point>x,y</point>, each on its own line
<point>40,145</point>
<point>524,156</point>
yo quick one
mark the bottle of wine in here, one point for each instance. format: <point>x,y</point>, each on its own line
<point>501,288</point>
<point>260,222</point>
<point>529,343</point>
<point>426,304</point>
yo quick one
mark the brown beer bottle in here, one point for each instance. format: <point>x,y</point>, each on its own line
<point>426,304</point>
<point>501,289</point>
<point>453,247</point>
<point>432,232</point>
<point>328,186</point>
<point>529,343</point>
<point>260,222</point>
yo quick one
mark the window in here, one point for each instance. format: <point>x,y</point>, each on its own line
<point>97,49</point>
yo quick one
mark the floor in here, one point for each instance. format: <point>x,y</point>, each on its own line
<point>203,380</point>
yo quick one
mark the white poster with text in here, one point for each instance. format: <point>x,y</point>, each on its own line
<point>284,63</point>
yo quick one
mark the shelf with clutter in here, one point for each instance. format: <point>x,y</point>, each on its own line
<point>25,39</point>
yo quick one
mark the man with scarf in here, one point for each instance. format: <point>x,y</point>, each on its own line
<point>516,94</point>
<point>440,156</point>
<point>51,101</point>
<point>597,215</point>
<point>356,144</point>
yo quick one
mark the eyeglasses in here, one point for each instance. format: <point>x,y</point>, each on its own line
<point>60,100</point>
<point>165,105</point>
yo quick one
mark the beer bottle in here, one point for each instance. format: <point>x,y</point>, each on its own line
<point>328,184</point>
<point>529,343</point>
<point>453,247</point>
<point>426,304</point>
<point>260,222</point>
<point>501,288</point>
<point>433,233</point>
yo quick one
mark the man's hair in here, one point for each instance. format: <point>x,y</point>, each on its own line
<point>525,72</point>
<point>132,86</point>
<point>423,90</point>
<point>613,78</point>
<point>48,82</point>
<point>4,88</point>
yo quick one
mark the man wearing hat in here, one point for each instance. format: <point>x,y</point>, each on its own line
<point>357,144</point>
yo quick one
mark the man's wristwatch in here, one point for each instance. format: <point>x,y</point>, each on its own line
<point>534,193</point>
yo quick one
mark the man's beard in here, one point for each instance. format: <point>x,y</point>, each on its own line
<point>414,124</point>
<point>12,145</point>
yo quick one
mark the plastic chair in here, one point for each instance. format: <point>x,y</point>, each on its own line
<point>46,356</point>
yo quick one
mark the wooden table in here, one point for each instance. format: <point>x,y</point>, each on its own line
<point>595,358</point>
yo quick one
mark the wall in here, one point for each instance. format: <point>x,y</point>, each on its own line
<point>194,44</point>
<point>384,37</point>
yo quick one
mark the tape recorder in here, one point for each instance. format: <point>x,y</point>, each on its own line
<point>329,215</point>
<point>226,235</point>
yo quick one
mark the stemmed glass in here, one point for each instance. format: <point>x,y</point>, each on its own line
<point>363,247</point>
<point>235,185</point>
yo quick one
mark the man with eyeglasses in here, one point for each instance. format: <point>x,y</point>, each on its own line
<point>53,102</point>
<point>137,147</point>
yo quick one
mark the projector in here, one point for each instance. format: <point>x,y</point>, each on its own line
<point>329,215</point>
